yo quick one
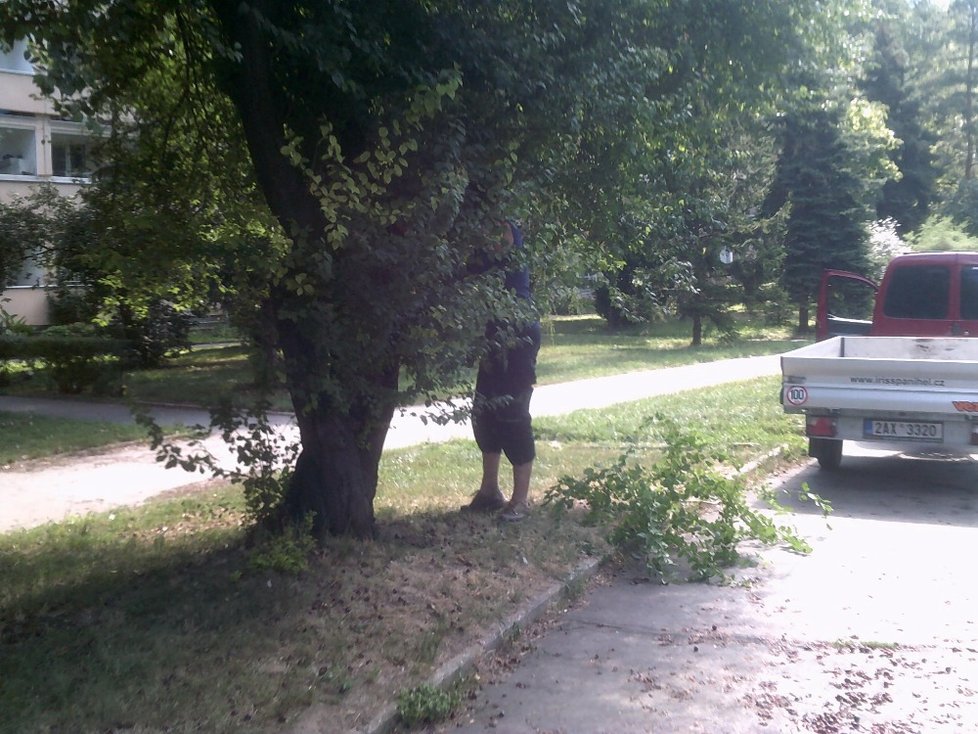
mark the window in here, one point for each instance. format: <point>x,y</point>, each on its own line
<point>70,156</point>
<point>31,274</point>
<point>13,59</point>
<point>918,292</point>
<point>848,299</point>
<point>969,292</point>
<point>18,155</point>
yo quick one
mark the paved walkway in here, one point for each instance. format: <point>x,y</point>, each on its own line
<point>54,489</point>
<point>874,632</point>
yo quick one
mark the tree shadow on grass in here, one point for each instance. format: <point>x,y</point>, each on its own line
<point>134,631</point>
<point>131,641</point>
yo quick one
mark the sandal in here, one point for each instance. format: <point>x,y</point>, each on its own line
<point>514,513</point>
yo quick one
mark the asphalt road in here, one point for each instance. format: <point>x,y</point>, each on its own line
<point>875,631</point>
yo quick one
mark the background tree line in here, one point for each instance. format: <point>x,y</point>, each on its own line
<point>327,171</point>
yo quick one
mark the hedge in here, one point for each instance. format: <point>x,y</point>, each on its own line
<point>73,362</point>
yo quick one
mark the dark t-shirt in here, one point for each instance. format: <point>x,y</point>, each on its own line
<point>511,370</point>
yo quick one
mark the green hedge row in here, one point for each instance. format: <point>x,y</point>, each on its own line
<point>61,347</point>
<point>73,362</point>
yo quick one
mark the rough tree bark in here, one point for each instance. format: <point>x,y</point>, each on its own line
<point>335,477</point>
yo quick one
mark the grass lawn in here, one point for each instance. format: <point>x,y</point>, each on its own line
<point>152,619</point>
<point>25,436</point>
<point>578,347</point>
<point>574,347</point>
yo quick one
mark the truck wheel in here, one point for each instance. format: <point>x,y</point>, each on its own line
<point>828,452</point>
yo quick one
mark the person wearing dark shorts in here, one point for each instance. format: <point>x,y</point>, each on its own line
<point>501,421</point>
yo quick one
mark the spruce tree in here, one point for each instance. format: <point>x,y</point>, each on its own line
<point>825,226</point>
<point>906,200</point>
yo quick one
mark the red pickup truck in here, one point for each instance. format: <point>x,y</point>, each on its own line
<point>919,389</point>
<point>921,294</point>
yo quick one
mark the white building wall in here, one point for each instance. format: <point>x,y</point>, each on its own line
<point>24,164</point>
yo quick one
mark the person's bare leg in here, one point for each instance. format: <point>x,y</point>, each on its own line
<point>489,497</point>
<point>521,484</point>
<point>517,506</point>
<point>490,475</point>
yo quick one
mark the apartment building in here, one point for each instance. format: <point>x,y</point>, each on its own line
<point>35,147</point>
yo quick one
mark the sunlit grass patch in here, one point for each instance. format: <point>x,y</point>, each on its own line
<point>742,417</point>
<point>26,436</point>
<point>579,347</point>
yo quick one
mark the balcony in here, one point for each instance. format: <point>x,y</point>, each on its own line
<point>17,90</point>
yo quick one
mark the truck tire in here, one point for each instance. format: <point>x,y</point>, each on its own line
<point>828,452</point>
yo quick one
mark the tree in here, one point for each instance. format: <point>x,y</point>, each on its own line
<point>965,14</point>
<point>336,165</point>
<point>889,81</point>
<point>695,185</point>
<point>385,138</point>
<point>826,220</point>
<point>940,40</point>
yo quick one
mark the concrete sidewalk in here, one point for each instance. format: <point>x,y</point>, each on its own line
<point>54,489</point>
<point>875,631</point>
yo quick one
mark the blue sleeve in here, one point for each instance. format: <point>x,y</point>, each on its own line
<point>518,281</point>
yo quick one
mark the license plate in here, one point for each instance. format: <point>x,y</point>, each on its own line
<point>903,430</point>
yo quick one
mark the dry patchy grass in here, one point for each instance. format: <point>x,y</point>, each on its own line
<point>151,619</point>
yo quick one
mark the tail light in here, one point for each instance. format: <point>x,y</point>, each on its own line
<point>825,427</point>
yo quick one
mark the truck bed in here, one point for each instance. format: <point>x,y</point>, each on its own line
<point>895,363</point>
<point>859,379</point>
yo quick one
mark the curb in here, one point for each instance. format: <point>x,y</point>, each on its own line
<point>461,665</point>
<point>760,460</point>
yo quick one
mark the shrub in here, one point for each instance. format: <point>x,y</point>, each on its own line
<point>162,330</point>
<point>74,358</point>
<point>11,323</point>
<point>71,305</point>
<point>286,552</point>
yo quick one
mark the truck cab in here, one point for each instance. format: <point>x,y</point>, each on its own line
<point>921,294</point>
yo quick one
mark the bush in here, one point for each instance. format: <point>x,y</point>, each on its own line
<point>71,305</point>
<point>287,552</point>
<point>571,301</point>
<point>162,330</point>
<point>11,323</point>
<point>75,359</point>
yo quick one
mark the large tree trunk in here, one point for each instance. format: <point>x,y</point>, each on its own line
<point>335,477</point>
<point>343,433</point>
